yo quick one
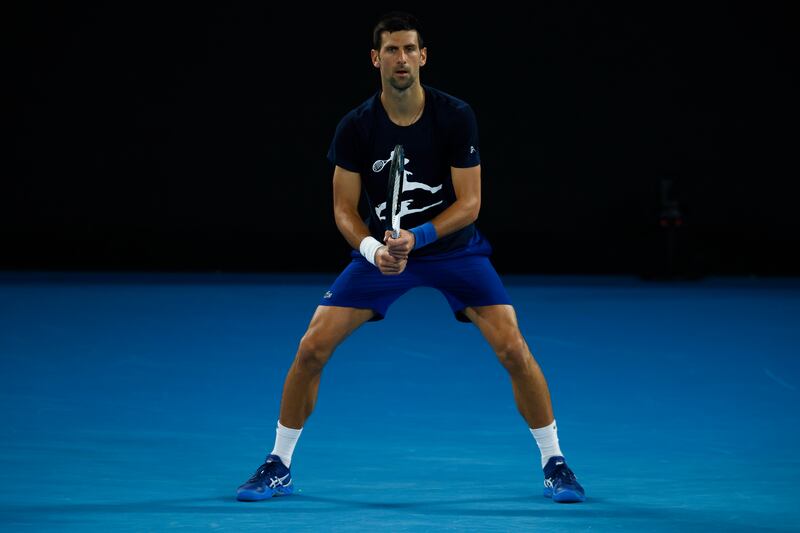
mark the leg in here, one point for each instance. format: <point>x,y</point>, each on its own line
<point>328,328</point>
<point>498,324</point>
<point>360,293</point>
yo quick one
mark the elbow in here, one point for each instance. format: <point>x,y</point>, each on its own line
<point>340,217</point>
<point>472,210</point>
<point>345,218</point>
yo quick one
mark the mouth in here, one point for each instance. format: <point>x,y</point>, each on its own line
<point>401,72</point>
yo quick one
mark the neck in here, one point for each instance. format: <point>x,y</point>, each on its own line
<point>403,107</point>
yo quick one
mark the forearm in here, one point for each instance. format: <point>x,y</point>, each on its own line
<point>351,226</point>
<point>460,214</point>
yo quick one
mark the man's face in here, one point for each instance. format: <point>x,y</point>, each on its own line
<point>399,58</point>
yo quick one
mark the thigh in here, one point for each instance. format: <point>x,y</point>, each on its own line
<point>331,325</point>
<point>497,323</point>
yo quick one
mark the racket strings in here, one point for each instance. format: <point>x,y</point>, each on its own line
<point>396,174</point>
<point>396,171</point>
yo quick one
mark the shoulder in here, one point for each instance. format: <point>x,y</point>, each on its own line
<point>450,110</point>
<point>447,102</point>
<point>360,114</point>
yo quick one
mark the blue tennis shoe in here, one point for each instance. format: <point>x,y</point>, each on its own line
<point>560,482</point>
<point>271,479</point>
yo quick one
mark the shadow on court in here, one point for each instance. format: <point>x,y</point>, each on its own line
<point>594,510</point>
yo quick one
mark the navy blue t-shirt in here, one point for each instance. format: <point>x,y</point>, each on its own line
<point>445,135</point>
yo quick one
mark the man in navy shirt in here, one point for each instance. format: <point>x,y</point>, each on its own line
<point>442,249</point>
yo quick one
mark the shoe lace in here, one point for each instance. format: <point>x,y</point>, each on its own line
<point>263,471</point>
<point>564,474</point>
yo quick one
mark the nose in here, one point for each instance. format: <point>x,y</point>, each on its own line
<point>401,57</point>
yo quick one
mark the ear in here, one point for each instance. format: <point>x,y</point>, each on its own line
<point>423,56</point>
<point>376,60</point>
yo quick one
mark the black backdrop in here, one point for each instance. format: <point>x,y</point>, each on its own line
<point>194,138</point>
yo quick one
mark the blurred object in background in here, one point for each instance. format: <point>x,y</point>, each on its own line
<point>669,245</point>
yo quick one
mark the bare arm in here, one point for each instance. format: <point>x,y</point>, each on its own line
<point>346,193</point>
<point>464,211</point>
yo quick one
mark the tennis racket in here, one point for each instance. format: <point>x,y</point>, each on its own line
<point>394,190</point>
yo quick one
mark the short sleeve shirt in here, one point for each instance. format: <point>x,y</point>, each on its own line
<point>445,135</point>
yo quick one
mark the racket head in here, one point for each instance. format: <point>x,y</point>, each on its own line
<point>394,190</point>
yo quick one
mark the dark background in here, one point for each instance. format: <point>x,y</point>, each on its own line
<point>190,137</point>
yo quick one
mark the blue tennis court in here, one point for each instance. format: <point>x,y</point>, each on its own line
<point>139,402</point>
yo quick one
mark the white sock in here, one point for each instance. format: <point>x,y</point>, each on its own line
<point>285,441</point>
<point>547,439</point>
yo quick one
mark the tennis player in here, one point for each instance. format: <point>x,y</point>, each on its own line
<point>442,249</point>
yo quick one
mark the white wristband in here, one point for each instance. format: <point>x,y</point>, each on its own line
<point>369,245</point>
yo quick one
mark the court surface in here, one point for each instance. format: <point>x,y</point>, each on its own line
<point>139,402</point>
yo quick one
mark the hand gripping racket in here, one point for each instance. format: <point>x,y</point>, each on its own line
<point>395,188</point>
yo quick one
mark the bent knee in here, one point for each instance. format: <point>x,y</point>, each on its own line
<point>513,353</point>
<point>312,354</point>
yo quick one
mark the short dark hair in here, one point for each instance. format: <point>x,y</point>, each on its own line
<point>395,21</point>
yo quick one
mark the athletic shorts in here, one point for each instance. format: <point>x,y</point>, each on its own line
<point>466,278</point>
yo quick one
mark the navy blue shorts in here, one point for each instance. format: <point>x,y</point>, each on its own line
<point>466,279</point>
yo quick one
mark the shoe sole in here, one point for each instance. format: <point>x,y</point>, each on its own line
<point>565,496</point>
<point>254,496</point>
